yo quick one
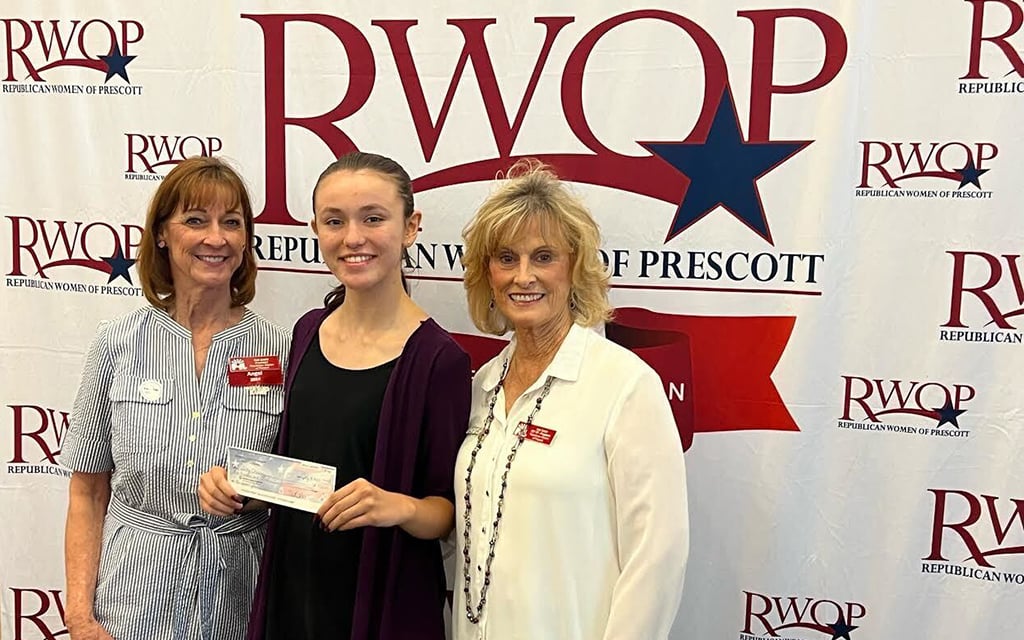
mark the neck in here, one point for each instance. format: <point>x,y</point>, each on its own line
<point>374,309</point>
<point>204,309</point>
<point>537,346</point>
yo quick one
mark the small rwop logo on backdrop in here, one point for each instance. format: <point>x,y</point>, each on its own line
<point>36,434</point>
<point>994,65</point>
<point>85,56</point>
<point>976,536</point>
<point>986,299</point>
<point>922,408</point>
<point>775,617</point>
<point>71,256</point>
<point>150,156</point>
<point>38,613</point>
<point>948,169</point>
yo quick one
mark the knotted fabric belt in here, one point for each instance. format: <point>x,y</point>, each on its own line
<point>204,562</point>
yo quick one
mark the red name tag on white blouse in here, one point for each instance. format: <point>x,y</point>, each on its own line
<point>537,433</point>
<point>258,371</point>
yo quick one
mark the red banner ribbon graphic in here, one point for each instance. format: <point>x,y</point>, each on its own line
<point>716,370</point>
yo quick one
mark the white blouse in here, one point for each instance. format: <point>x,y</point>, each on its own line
<point>593,537</point>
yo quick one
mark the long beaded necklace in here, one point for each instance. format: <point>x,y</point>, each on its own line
<point>472,616</point>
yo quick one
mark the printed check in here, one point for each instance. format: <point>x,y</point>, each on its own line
<point>289,482</point>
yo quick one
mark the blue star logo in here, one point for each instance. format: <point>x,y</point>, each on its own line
<point>948,414</point>
<point>116,63</point>
<point>970,174</point>
<point>723,171</point>
<point>119,266</point>
<point>840,629</point>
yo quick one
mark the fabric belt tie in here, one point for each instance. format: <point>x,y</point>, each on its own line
<point>204,561</point>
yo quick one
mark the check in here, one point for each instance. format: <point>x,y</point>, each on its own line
<point>289,482</point>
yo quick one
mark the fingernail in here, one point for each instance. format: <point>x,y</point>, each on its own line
<point>237,498</point>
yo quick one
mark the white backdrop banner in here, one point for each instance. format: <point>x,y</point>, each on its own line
<point>809,211</point>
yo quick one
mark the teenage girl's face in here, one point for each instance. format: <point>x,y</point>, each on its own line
<point>359,221</point>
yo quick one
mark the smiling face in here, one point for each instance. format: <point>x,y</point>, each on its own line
<point>204,244</point>
<point>530,278</point>
<point>360,222</point>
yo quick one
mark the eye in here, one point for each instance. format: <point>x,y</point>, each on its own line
<point>193,221</point>
<point>544,257</point>
<point>233,222</point>
<point>505,258</point>
<point>374,219</point>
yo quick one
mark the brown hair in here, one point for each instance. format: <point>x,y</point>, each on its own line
<point>531,191</point>
<point>386,167</point>
<point>194,181</point>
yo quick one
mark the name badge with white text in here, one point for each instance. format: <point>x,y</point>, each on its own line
<point>537,433</point>
<point>259,371</point>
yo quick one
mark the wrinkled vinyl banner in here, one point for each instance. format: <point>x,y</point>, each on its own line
<point>810,215</point>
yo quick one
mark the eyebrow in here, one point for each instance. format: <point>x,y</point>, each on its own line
<point>363,209</point>
<point>204,210</point>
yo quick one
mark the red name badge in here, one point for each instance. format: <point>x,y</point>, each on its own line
<point>537,433</point>
<point>257,371</point>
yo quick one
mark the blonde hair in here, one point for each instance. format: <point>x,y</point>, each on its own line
<point>531,192</point>
<point>198,180</point>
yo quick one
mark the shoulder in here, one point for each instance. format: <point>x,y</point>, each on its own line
<point>310,319</point>
<point>433,338</point>
<point>265,327</point>
<point>604,355</point>
<point>432,349</point>
<point>125,327</point>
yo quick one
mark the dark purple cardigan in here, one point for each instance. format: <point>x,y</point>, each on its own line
<point>401,588</point>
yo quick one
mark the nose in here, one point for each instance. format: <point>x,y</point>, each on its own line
<point>524,273</point>
<point>216,237</point>
<point>354,236</point>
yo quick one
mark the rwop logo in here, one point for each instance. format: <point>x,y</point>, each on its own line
<point>716,164</point>
<point>37,54</point>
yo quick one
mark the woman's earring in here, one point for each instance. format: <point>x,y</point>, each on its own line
<point>491,305</point>
<point>162,244</point>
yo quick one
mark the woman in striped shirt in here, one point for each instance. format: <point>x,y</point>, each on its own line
<point>154,409</point>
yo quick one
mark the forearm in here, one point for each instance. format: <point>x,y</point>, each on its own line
<point>83,536</point>
<point>429,518</point>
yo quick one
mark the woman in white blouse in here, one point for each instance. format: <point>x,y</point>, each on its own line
<point>570,486</point>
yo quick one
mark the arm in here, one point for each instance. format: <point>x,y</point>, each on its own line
<point>645,467</point>
<point>446,417</point>
<point>88,496</point>
<point>363,504</point>
<point>86,451</point>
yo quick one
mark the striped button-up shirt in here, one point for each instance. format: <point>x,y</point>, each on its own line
<point>167,570</point>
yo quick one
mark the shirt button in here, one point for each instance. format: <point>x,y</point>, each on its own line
<point>192,438</point>
<point>195,414</point>
<point>189,463</point>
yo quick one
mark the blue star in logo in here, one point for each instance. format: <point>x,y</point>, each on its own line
<point>723,170</point>
<point>119,266</point>
<point>948,414</point>
<point>970,174</point>
<point>840,629</point>
<point>116,63</point>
